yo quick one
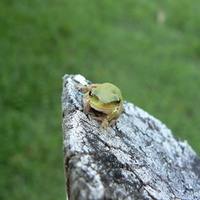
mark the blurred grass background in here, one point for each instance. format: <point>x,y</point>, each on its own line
<point>149,49</point>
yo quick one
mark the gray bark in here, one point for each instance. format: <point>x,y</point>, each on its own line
<point>140,159</point>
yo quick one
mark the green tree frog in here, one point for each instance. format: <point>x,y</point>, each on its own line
<point>106,101</point>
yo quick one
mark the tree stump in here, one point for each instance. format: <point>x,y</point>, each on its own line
<point>140,159</point>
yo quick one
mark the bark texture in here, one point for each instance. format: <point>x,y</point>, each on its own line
<point>140,159</point>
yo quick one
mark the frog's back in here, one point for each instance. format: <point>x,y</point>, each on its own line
<point>107,93</point>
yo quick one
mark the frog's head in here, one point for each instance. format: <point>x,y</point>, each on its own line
<point>106,95</point>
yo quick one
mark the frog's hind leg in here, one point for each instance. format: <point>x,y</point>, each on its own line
<point>87,88</point>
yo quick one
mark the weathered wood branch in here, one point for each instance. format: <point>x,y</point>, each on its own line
<point>140,159</point>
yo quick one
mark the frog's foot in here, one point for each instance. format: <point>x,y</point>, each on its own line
<point>104,123</point>
<point>86,88</point>
<point>112,122</point>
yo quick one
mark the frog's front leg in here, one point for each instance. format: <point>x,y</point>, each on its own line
<point>105,122</point>
<point>112,122</point>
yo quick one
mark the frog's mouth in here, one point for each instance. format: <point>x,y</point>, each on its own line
<point>105,109</point>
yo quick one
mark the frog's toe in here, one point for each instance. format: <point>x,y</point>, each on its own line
<point>104,125</point>
<point>112,123</point>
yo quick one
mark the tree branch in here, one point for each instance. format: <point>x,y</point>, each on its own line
<point>140,159</point>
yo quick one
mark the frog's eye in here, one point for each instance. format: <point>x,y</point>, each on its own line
<point>118,101</point>
<point>91,94</point>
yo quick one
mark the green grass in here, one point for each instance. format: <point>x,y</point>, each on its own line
<point>155,65</point>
